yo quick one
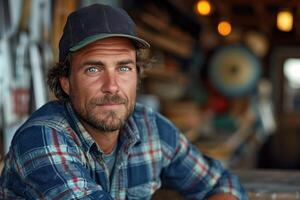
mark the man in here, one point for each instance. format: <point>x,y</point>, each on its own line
<point>96,142</point>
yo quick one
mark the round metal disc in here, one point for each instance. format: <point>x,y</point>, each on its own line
<point>234,70</point>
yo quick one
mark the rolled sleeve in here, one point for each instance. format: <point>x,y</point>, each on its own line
<point>197,176</point>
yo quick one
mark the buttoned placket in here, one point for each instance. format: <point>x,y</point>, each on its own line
<point>119,176</point>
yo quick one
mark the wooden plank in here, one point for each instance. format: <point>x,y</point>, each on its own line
<point>181,49</point>
<point>61,11</point>
<point>271,184</point>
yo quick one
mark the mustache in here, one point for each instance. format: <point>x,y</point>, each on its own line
<point>106,99</point>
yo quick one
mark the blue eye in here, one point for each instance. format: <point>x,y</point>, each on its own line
<point>92,70</point>
<point>124,69</point>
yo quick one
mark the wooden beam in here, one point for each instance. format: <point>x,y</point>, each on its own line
<point>163,41</point>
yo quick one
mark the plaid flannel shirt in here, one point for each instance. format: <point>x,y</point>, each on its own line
<point>53,157</point>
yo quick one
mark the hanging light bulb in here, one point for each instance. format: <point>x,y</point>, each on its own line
<point>224,28</point>
<point>203,7</point>
<point>285,21</point>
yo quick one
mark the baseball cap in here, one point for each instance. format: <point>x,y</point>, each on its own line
<point>95,22</point>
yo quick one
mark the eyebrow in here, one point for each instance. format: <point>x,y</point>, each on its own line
<point>125,62</point>
<point>100,63</point>
<point>91,62</point>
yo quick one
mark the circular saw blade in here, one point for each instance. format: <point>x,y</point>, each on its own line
<point>234,70</point>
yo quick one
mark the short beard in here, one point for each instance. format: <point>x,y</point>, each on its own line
<point>102,124</point>
<point>111,122</point>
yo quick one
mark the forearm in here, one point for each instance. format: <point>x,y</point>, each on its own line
<point>203,176</point>
<point>222,196</point>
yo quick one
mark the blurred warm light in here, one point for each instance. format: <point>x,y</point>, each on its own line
<point>203,7</point>
<point>285,21</point>
<point>224,28</point>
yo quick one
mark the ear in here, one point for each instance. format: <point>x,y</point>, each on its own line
<point>65,84</point>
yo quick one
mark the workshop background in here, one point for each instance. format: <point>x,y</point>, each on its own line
<point>227,73</point>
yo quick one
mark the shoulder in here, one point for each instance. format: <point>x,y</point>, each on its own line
<point>53,115</point>
<point>51,111</point>
<point>156,124</point>
<point>146,113</point>
<point>44,127</point>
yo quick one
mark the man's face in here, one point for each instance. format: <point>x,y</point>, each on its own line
<point>102,83</point>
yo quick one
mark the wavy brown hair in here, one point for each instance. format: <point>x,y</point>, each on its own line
<point>63,69</point>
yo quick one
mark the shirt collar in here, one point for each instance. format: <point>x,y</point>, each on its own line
<point>129,134</point>
<point>86,139</point>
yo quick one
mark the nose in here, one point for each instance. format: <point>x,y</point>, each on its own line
<point>110,84</point>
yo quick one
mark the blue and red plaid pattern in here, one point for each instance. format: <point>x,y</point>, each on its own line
<point>53,157</point>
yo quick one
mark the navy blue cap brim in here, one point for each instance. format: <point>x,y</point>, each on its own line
<point>138,41</point>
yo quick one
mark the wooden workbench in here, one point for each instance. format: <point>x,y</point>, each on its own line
<point>260,185</point>
<point>271,184</point>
